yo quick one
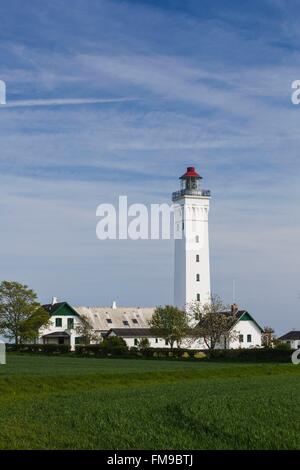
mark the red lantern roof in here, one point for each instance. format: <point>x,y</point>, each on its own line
<point>190,171</point>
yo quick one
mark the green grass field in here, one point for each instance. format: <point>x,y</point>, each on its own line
<point>69,403</point>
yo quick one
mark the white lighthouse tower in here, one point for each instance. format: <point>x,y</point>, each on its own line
<point>192,271</point>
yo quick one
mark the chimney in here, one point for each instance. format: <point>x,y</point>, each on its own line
<point>114,305</point>
<point>54,300</point>
<point>234,309</point>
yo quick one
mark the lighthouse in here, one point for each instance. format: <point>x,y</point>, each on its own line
<point>192,269</point>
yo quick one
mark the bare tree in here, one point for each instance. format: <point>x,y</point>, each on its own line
<point>268,337</point>
<point>212,322</point>
<point>86,330</point>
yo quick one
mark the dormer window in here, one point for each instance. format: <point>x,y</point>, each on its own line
<point>109,320</point>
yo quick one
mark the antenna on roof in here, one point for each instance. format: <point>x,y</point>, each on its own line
<point>233,291</point>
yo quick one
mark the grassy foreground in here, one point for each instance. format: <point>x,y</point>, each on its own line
<point>69,403</point>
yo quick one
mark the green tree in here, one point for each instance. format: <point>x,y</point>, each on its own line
<point>212,322</point>
<point>21,315</point>
<point>169,323</point>
<point>114,345</point>
<point>282,346</point>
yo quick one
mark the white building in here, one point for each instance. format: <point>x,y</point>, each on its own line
<point>65,320</point>
<point>245,333</point>
<point>192,270</point>
<point>132,324</point>
<point>191,283</point>
<point>62,325</point>
<point>292,338</point>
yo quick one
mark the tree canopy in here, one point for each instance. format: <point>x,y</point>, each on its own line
<point>170,323</point>
<point>21,315</point>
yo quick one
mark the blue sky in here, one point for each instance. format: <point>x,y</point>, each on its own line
<point>114,97</point>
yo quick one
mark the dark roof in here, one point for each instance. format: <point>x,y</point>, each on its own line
<point>131,332</point>
<point>57,334</point>
<point>53,309</point>
<point>239,314</point>
<point>135,332</point>
<point>291,335</point>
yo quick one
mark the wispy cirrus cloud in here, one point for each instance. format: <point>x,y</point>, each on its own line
<point>64,102</point>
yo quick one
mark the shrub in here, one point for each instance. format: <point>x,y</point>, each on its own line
<point>200,355</point>
<point>144,343</point>
<point>113,346</point>
<point>283,346</point>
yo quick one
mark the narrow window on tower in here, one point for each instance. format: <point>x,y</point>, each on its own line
<point>197,238</point>
<point>198,297</point>
<point>198,277</point>
<point>197,258</point>
<point>182,226</point>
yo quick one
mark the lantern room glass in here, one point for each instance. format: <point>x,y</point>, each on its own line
<point>190,183</point>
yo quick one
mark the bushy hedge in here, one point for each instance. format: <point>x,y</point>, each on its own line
<point>238,355</point>
<point>117,347</point>
<point>234,355</point>
<point>113,346</point>
<point>250,355</point>
<point>39,348</point>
